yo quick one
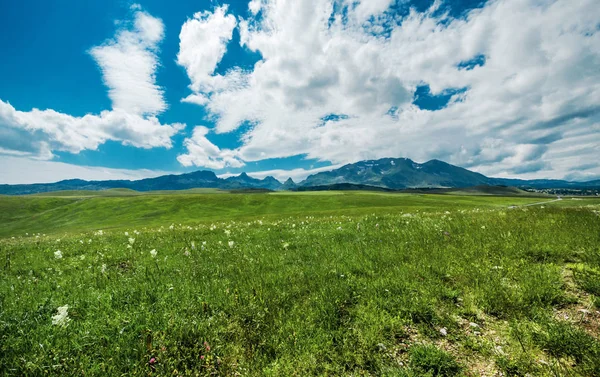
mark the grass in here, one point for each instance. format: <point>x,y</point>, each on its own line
<point>354,284</point>
<point>74,211</point>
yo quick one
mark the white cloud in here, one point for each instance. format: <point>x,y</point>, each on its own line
<point>129,62</point>
<point>364,9</point>
<point>203,42</point>
<point>38,132</point>
<point>531,110</point>
<point>254,6</point>
<point>52,171</point>
<point>201,152</point>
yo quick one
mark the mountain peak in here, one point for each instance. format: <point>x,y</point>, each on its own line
<point>270,178</point>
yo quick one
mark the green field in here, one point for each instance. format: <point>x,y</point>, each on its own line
<point>298,284</point>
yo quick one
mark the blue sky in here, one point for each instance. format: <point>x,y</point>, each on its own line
<point>121,89</point>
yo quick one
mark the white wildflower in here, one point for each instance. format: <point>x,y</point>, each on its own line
<point>58,254</point>
<point>231,243</point>
<point>103,268</point>
<point>483,227</point>
<point>286,245</point>
<point>227,232</point>
<point>172,227</point>
<point>153,253</point>
<point>127,234</point>
<point>62,317</point>
<point>443,331</point>
<point>131,241</point>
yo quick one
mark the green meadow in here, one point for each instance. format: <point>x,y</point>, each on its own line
<point>210,283</point>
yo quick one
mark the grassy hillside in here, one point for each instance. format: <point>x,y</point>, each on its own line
<point>80,211</point>
<point>322,284</point>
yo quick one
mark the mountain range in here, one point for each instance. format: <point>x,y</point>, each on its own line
<point>387,173</point>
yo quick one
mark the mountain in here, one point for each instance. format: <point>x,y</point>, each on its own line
<point>386,173</point>
<point>399,173</point>
<point>289,185</point>
<point>245,181</point>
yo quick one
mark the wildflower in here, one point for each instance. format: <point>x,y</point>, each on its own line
<point>153,253</point>
<point>231,243</point>
<point>82,257</point>
<point>186,253</point>
<point>286,245</point>
<point>193,245</point>
<point>227,232</point>
<point>127,234</point>
<point>58,254</point>
<point>131,241</point>
<point>103,268</point>
<point>152,361</point>
<point>483,227</point>
<point>207,346</point>
<point>172,227</point>
<point>443,331</point>
<point>62,317</point>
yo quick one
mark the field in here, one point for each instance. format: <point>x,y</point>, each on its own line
<point>298,284</point>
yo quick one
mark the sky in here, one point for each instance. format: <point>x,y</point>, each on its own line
<point>125,90</point>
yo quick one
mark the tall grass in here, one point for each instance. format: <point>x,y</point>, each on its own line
<point>369,293</point>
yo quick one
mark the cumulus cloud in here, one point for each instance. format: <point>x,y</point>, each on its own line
<point>528,108</point>
<point>203,42</point>
<point>53,171</point>
<point>128,64</point>
<point>36,133</point>
<point>201,152</point>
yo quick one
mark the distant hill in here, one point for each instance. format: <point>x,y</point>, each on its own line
<point>385,173</point>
